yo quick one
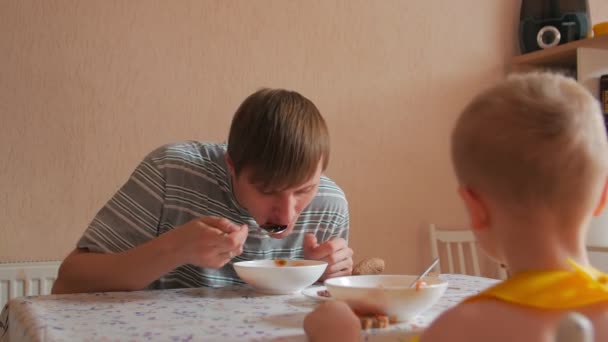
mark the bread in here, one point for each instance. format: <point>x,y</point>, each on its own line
<point>369,266</point>
<point>374,322</point>
<point>365,267</point>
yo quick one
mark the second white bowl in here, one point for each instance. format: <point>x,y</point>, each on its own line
<point>389,293</point>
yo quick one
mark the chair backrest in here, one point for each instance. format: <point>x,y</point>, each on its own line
<point>574,327</point>
<point>461,240</point>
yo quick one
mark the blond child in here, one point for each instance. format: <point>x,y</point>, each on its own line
<point>531,158</point>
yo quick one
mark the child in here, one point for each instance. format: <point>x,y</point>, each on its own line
<point>531,158</point>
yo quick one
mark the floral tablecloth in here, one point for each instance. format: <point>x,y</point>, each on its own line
<point>197,314</point>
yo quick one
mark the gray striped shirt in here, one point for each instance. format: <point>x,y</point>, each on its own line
<point>179,182</point>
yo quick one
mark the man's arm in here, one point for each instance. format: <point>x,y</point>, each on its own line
<point>122,249</point>
<point>206,242</point>
<point>84,271</point>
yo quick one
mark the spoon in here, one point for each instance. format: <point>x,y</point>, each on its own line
<point>433,264</point>
<point>273,228</point>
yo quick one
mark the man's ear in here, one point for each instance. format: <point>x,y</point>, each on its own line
<point>602,204</point>
<point>230,165</point>
<point>478,212</point>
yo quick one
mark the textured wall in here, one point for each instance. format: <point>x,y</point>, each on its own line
<point>87,88</point>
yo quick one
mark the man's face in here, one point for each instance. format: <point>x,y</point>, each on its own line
<point>274,206</point>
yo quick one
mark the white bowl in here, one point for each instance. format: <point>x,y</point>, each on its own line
<point>388,293</point>
<point>272,277</point>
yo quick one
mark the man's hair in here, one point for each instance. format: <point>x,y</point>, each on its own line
<point>280,136</point>
<point>534,139</point>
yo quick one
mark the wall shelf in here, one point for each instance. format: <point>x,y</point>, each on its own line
<point>561,56</point>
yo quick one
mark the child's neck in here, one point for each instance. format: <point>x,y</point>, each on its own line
<point>544,247</point>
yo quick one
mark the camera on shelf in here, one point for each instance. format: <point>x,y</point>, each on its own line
<point>548,23</point>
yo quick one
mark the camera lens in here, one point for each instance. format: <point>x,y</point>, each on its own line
<point>548,36</point>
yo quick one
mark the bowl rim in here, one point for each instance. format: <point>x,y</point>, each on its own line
<point>331,282</point>
<point>251,264</point>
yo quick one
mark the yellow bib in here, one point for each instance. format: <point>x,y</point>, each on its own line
<point>551,289</point>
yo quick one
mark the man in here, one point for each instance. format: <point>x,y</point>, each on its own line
<point>190,210</point>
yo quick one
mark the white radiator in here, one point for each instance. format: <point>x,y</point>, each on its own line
<point>26,279</point>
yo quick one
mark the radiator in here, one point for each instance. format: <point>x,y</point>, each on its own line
<point>26,279</point>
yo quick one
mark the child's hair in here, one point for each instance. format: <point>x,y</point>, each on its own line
<point>533,140</point>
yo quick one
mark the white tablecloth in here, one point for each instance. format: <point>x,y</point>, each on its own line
<point>197,314</point>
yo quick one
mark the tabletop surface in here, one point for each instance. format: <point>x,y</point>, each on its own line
<point>194,314</point>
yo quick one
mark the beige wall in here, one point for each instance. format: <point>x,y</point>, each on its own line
<point>599,11</point>
<point>87,88</point>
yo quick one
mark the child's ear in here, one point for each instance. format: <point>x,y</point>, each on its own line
<point>478,212</point>
<point>602,204</point>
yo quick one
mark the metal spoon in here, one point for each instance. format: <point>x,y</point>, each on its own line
<point>273,228</point>
<point>433,264</point>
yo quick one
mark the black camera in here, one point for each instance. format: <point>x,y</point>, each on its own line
<point>544,24</point>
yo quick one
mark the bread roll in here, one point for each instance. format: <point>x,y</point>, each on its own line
<point>369,266</point>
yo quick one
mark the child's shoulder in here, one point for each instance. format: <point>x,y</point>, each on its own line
<point>487,320</point>
<point>456,322</point>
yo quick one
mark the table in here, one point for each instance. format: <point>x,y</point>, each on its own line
<point>195,314</point>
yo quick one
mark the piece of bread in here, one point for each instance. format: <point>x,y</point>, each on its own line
<point>374,322</point>
<point>369,266</point>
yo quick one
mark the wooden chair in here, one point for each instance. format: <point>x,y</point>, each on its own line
<point>460,239</point>
<point>574,327</point>
<point>599,249</point>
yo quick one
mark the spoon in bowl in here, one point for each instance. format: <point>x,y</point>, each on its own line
<point>273,229</point>
<point>433,264</point>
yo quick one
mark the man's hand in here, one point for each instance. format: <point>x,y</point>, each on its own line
<point>209,241</point>
<point>332,321</point>
<point>335,252</point>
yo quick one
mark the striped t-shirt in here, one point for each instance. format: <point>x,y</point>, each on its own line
<point>179,182</point>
